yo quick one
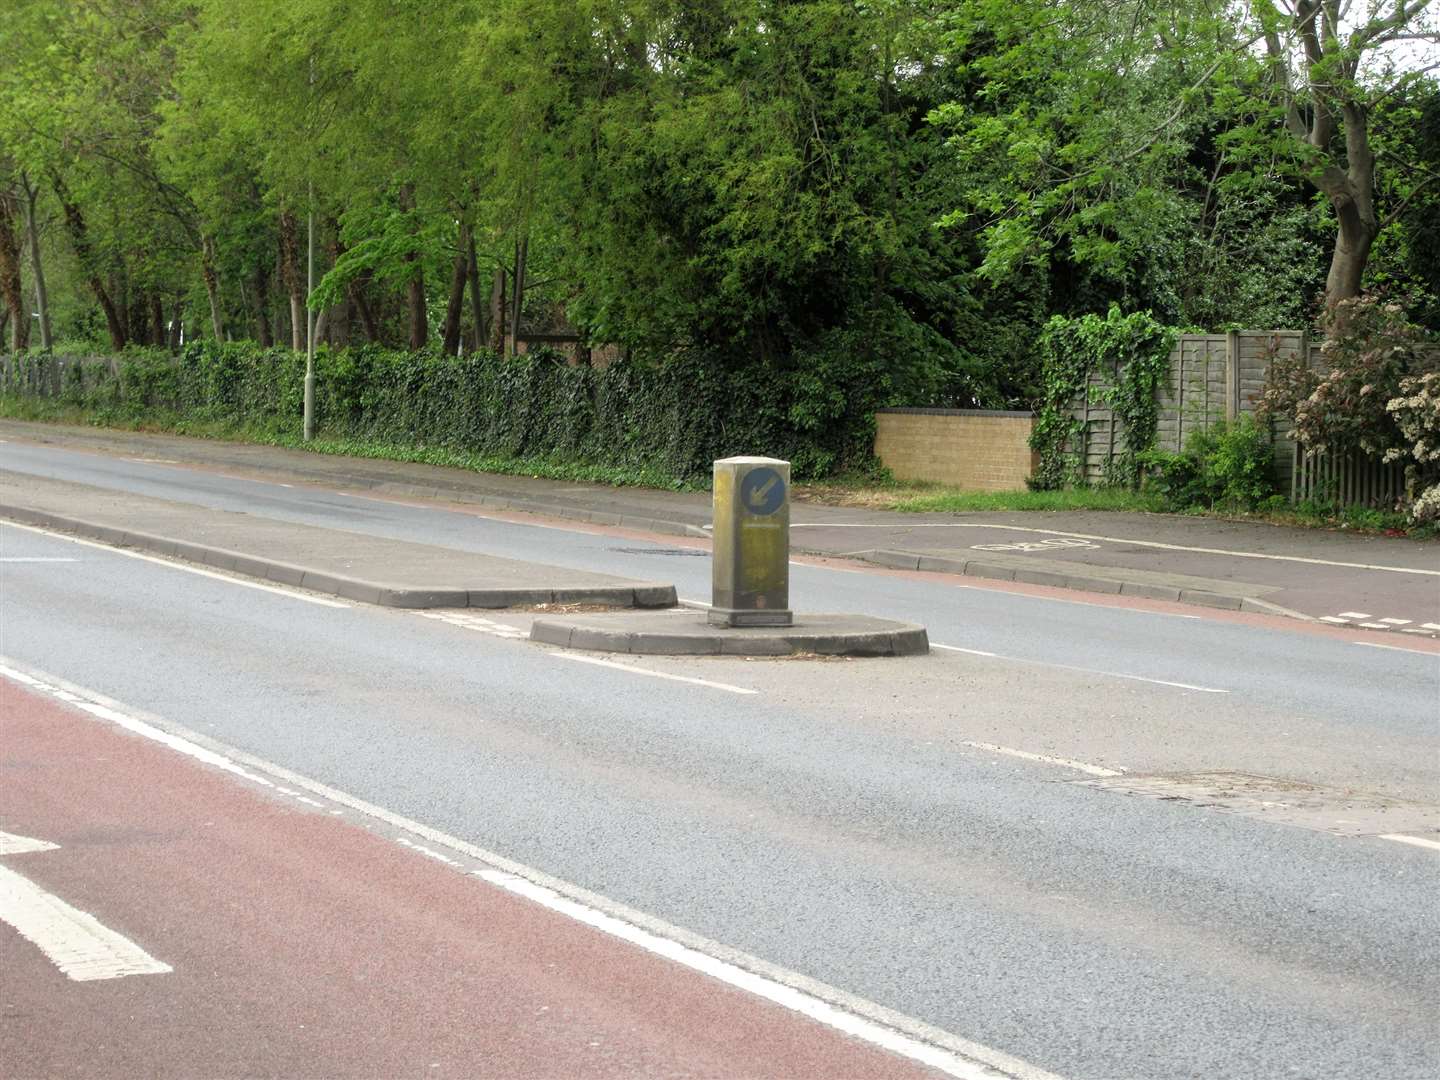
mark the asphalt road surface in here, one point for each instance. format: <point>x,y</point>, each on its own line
<point>953,843</point>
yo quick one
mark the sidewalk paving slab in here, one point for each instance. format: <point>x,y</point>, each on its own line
<point>354,566</point>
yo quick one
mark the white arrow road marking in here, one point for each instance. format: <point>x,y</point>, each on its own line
<point>75,941</point>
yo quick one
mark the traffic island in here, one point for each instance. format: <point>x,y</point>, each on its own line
<point>683,632</point>
<point>750,575</point>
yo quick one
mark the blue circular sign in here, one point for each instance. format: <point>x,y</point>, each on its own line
<point>762,491</point>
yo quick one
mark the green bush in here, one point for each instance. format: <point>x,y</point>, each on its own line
<point>665,421</point>
<point>1228,466</point>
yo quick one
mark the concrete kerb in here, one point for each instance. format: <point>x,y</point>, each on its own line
<point>690,634</point>
<point>642,595</point>
<point>904,560</point>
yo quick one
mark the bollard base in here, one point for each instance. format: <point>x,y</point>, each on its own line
<point>736,617</point>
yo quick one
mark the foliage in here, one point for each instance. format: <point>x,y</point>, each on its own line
<point>1416,413</point>
<point>1133,350</point>
<point>666,422</point>
<point>1339,405</point>
<point>1228,466</point>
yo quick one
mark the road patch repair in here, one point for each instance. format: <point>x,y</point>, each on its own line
<point>750,614</point>
<point>369,569</point>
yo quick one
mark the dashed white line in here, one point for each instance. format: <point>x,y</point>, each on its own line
<point>10,844</point>
<point>1354,615</point>
<point>1397,622</point>
<point>827,1005</point>
<point>1082,670</point>
<point>1047,759</point>
<point>277,590</point>
<point>1417,841</point>
<point>35,558</point>
<point>654,674</point>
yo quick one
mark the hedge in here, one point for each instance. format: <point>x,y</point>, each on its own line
<point>670,419</point>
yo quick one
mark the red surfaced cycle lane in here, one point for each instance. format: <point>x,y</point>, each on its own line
<point>303,945</point>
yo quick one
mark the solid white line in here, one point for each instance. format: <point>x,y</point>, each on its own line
<point>129,723</point>
<point>1392,648</point>
<point>1119,540</point>
<point>653,674</point>
<point>10,844</point>
<point>1082,670</point>
<point>1418,841</point>
<point>827,1004</point>
<point>35,558</point>
<point>278,591</point>
<point>1069,763</point>
<point>75,941</point>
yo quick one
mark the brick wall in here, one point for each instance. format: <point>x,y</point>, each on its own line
<point>973,449</point>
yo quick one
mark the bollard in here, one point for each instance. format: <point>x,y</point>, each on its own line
<point>750,567</point>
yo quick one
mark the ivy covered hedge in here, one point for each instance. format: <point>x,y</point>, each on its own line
<point>667,420</point>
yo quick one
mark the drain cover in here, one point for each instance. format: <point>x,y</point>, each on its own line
<point>696,552</point>
<point>1333,810</point>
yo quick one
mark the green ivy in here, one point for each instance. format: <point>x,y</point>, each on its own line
<point>665,421</point>
<point>1135,348</point>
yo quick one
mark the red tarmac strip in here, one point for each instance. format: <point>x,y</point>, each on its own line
<point>306,946</point>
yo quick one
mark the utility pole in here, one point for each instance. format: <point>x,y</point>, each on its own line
<point>309,422</point>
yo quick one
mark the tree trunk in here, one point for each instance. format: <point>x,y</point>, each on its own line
<point>212,285</point>
<point>261,284</point>
<point>497,311</point>
<point>176,324</point>
<point>10,277</point>
<point>290,274</point>
<point>37,269</point>
<point>362,304</point>
<point>517,300</point>
<point>456,306</point>
<point>157,321</point>
<point>472,273</point>
<point>1349,257</point>
<point>80,239</point>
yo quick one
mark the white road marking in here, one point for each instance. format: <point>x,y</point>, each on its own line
<point>76,942</point>
<point>653,674</point>
<point>864,1020</point>
<point>172,564</point>
<point>1121,540</point>
<point>1354,615</point>
<point>1392,648</point>
<point>1418,841</point>
<point>475,622</point>
<point>35,558</point>
<point>1069,763</point>
<point>1431,625</point>
<point>1081,670</point>
<point>1397,622</point>
<point>10,844</point>
<point>1375,626</point>
<point>1334,619</point>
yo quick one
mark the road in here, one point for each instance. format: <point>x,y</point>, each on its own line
<point>949,839</point>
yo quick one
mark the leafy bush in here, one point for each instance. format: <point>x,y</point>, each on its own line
<point>1416,412</point>
<point>1229,466</point>
<point>668,420</point>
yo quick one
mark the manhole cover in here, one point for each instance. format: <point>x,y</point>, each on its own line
<point>693,552</point>
<point>1334,810</point>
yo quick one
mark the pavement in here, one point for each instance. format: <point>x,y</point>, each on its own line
<point>1383,583</point>
<point>371,569</point>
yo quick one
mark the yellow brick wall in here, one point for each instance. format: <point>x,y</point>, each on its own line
<point>974,450</point>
